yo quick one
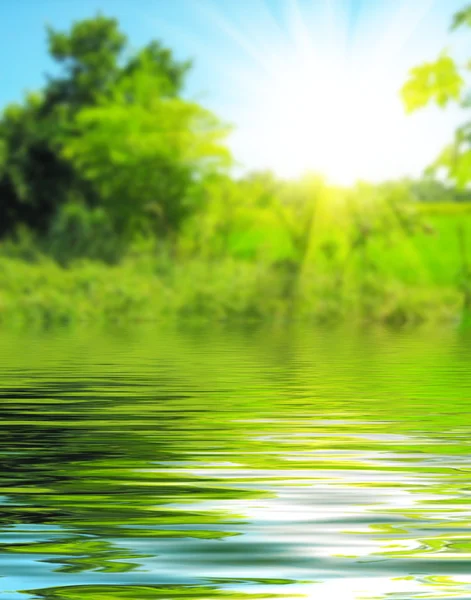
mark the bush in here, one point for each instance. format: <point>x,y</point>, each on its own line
<point>79,232</point>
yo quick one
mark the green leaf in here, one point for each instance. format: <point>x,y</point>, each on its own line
<point>437,82</point>
<point>462,17</point>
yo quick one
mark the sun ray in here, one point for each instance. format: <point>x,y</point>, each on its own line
<point>405,21</point>
<point>313,84</point>
<point>301,39</point>
<point>243,41</point>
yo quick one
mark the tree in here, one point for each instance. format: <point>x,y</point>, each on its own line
<point>90,54</point>
<point>34,180</point>
<point>111,129</point>
<point>159,60</point>
<point>442,82</point>
<point>144,149</point>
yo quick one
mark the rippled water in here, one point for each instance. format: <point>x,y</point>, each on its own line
<point>250,464</point>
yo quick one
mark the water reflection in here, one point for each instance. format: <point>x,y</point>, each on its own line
<point>156,464</point>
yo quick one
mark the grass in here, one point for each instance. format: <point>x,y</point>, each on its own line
<point>46,293</point>
<point>405,277</point>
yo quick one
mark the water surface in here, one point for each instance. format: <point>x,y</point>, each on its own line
<point>210,463</point>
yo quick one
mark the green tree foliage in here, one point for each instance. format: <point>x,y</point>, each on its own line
<point>160,61</point>
<point>111,131</point>
<point>462,17</point>
<point>89,54</point>
<point>243,218</point>
<point>442,82</point>
<point>438,82</point>
<point>145,150</point>
<point>34,180</point>
<point>77,232</point>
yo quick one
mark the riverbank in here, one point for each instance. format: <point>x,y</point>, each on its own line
<point>146,290</point>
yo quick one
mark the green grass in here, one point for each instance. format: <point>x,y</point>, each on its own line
<point>45,293</point>
<point>404,277</point>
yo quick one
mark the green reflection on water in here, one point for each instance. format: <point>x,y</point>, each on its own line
<point>132,592</point>
<point>247,464</point>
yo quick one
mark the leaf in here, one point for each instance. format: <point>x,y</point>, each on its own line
<point>462,17</point>
<point>462,169</point>
<point>437,82</point>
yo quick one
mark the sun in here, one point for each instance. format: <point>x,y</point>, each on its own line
<point>341,124</point>
<point>314,86</point>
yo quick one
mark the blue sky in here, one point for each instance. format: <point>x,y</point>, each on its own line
<point>308,84</point>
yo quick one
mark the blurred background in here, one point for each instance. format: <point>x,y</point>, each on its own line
<point>258,159</point>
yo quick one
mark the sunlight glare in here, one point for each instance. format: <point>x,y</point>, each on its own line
<point>314,86</point>
<point>326,120</point>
